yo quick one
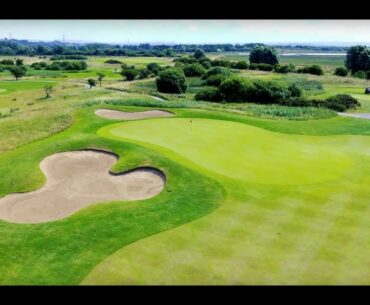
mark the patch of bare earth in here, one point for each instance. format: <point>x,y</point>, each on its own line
<point>76,180</point>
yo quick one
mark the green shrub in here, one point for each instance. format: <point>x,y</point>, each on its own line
<point>360,74</point>
<point>341,71</point>
<point>314,69</point>
<point>195,69</point>
<point>252,66</point>
<point>214,80</point>
<point>217,70</point>
<point>220,63</point>
<point>341,102</point>
<point>171,80</point>
<point>185,59</point>
<point>154,68</point>
<point>236,89</point>
<point>284,68</point>
<point>210,94</point>
<point>113,61</point>
<point>241,65</point>
<point>262,67</point>
<point>67,65</point>
<point>7,62</point>
<point>144,73</point>
<point>206,63</point>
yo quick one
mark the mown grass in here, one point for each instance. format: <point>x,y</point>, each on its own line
<point>313,233</point>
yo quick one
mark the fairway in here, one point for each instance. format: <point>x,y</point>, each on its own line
<point>262,156</point>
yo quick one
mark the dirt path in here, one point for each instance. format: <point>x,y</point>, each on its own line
<point>123,115</point>
<point>76,180</point>
<point>355,115</point>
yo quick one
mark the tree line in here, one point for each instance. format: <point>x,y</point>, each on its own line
<point>14,47</point>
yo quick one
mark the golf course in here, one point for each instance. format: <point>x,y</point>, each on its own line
<point>115,181</point>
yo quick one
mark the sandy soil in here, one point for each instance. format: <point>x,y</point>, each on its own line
<point>356,115</point>
<point>76,180</point>
<point>122,115</point>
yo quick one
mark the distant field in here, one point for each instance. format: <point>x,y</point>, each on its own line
<point>329,62</point>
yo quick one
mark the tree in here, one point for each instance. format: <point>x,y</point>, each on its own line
<point>171,80</point>
<point>18,71</point>
<point>129,73</point>
<point>341,71</point>
<point>19,62</point>
<point>48,89</point>
<point>263,54</point>
<point>358,59</point>
<point>91,82</point>
<point>199,54</point>
<point>100,77</point>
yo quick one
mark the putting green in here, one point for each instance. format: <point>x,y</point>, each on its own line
<point>237,150</point>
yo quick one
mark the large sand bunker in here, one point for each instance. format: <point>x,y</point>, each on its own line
<point>123,115</point>
<point>76,180</point>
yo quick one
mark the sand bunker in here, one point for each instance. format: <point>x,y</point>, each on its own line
<point>123,115</point>
<point>355,115</point>
<point>76,180</point>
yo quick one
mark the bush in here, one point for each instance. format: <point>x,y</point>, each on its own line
<point>185,59</point>
<point>144,73</point>
<point>265,67</point>
<point>341,102</point>
<point>215,80</point>
<point>7,62</point>
<point>295,90</point>
<point>67,65</point>
<point>284,68</point>
<point>60,57</point>
<point>206,63</point>
<point>368,75</point>
<point>360,74</point>
<point>268,92</point>
<point>241,65</point>
<point>217,70</point>
<point>262,67</point>
<point>341,71</point>
<point>253,67</point>
<point>171,80</point>
<point>263,54</point>
<point>220,63</point>
<point>194,70</point>
<point>314,69</point>
<point>154,68</point>
<point>113,61</point>
<point>258,91</point>
<point>236,89</point>
<point>210,94</point>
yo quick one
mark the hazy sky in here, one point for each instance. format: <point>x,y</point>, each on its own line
<point>189,31</point>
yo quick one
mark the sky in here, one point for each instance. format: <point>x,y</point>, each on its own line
<point>190,31</point>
